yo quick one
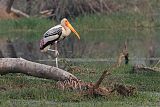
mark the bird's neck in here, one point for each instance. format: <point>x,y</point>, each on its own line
<point>67,31</point>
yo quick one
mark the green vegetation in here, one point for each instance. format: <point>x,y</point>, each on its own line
<point>115,28</point>
<point>119,25</point>
<point>27,29</point>
<point>96,29</point>
<point>92,28</point>
<point>25,90</point>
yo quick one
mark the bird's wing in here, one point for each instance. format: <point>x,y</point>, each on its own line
<point>52,35</point>
<point>57,30</point>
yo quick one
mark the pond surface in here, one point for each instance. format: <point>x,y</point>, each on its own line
<point>96,44</point>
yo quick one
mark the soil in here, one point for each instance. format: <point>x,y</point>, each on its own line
<point>5,15</point>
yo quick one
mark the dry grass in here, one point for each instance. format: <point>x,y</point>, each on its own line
<point>5,15</point>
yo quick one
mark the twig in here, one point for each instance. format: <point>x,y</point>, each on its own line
<point>114,66</point>
<point>106,72</point>
<point>156,64</point>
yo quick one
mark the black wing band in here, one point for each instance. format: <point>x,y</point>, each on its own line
<point>56,31</point>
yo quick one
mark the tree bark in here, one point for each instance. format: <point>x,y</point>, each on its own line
<point>20,65</point>
<point>29,7</point>
<point>141,68</point>
<point>9,5</point>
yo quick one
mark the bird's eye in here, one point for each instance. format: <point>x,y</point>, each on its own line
<point>66,22</point>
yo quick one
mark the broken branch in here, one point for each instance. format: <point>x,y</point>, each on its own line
<point>140,68</point>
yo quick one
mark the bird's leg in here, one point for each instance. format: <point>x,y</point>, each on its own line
<point>56,53</point>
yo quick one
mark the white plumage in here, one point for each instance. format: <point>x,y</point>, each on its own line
<point>56,34</point>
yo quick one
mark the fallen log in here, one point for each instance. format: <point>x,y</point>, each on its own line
<point>65,79</point>
<point>142,68</point>
<point>20,65</point>
<point>19,13</point>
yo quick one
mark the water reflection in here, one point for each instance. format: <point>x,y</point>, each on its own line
<point>93,44</point>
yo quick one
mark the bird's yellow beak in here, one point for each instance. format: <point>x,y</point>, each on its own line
<point>73,30</point>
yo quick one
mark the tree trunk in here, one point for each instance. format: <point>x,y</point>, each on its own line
<point>9,5</point>
<point>19,65</point>
<point>29,6</point>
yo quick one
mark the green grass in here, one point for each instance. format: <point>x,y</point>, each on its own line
<point>24,90</point>
<point>114,25</point>
<point>27,29</point>
<point>110,30</point>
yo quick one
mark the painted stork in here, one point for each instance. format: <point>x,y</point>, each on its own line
<point>56,34</point>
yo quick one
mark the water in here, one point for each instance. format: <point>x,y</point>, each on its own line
<point>95,50</point>
<point>94,44</point>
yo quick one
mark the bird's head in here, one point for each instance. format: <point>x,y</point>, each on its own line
<point>65,23</point>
